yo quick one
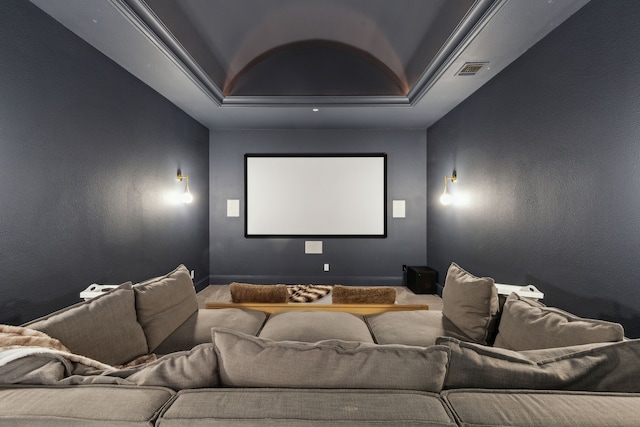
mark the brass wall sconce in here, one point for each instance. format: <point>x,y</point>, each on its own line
<point>446,197</point>
<point>187,197</point>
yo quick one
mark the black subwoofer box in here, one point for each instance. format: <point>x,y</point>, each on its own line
<point>422,280</point>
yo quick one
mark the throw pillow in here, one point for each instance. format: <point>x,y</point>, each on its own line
<point>103,328</point>
<point>247,361</point>
<point>244,292</point>
<point>357,295</point>
<point>164,303</point>
<point>528,325</point>
<point>470,303</point>
<point>613,367</point>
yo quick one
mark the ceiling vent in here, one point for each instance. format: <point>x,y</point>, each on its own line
<point>471,68</point>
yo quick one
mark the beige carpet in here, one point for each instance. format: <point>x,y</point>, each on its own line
<point>220,293</point>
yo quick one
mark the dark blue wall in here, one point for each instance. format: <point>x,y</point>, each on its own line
<point>365,261</point>
<point>88,155</point>
<point>549,156</point>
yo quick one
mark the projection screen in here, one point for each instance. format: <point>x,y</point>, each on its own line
<point>316,195</point>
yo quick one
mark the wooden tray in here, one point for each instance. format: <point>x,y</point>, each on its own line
<point>349,308</point>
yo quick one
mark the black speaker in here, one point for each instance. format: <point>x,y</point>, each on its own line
<point>422,280</point>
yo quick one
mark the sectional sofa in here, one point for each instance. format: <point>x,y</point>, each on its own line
<point>144,354</point>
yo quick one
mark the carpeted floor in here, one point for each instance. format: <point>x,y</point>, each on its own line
<point>220,293</point>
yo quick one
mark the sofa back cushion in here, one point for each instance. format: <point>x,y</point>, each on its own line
<point>414,327</point>
<point>470,303</point>
<point>312,326</point>
<point>164,303</point>
<point>527,325</point>
<point>591,367</point>
<point>248,361</point>
<point>195,368</point>
<point>103,328</point>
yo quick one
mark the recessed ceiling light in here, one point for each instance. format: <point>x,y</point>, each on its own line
<point>315,109</point>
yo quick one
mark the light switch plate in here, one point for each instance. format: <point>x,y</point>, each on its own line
<point>233,208</point>
<point>399,209</point>
<point>313,247</point>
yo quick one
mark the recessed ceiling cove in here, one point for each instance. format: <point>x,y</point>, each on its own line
<point>240,64</point>
<point>253,48</point>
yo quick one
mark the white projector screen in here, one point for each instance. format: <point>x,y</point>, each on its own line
<point>316,195</point>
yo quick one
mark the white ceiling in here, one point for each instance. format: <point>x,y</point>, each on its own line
<point>188,50</point>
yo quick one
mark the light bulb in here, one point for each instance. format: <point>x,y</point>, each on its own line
<point>187,197</point>
<point>446,199</point>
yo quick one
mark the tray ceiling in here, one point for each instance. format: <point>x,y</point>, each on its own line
<point>270,64</point>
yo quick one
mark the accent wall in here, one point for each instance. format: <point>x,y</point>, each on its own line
<point>88,164</point>
<point>352,261</point>
<point>548,162</point>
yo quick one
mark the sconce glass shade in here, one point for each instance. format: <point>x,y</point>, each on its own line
<point>187,197</point>
<point>446,197</point>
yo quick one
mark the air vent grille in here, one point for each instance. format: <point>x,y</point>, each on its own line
<point>471,68</point>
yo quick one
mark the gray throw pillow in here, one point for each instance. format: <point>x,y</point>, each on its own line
<point>591,367</point>
<point>103,328</point>
<point>164,303</point>
<point>247,361</point>
<point>470,303</point>
<point>528,325</point>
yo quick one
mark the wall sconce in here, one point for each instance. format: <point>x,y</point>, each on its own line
<point>446,198</point>
<point>186,197</point>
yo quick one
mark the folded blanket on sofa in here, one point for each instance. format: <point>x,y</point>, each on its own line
<point>11,336</point>
<point>307,293</point>
<point>196,368</point>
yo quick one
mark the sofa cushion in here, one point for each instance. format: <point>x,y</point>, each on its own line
<point>164,303</point>
<point>196,368</point>
<point>112,405</point>
<point>326,364</point>
<point>591,367</point>
<point>197,328</point>
<point>245,292</point>
<point>527,325</point>
<point>358,295</point>
<point>501,408</point>
<point>305,407</point>
<point>470,303</point>
<point>312,326</point>
<point>417,327</point>
<point>103,328</point>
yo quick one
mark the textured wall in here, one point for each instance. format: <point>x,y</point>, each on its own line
<point>362,261</point>
<point>548,154</point>
<point>88,155</point>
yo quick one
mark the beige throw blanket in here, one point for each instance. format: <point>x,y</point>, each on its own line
<point>17,342</point>
<point>11,336</point>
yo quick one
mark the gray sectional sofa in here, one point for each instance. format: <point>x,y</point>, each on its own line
<point>475,363</point>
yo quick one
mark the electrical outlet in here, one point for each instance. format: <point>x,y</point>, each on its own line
<point>326,267</point>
